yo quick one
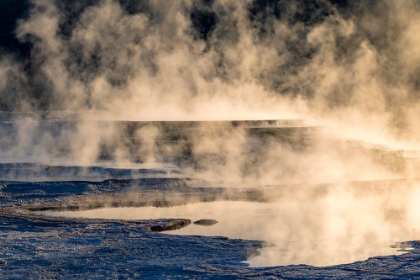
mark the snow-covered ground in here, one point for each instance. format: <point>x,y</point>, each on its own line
<point>35,246</point>
<point>361,228</point>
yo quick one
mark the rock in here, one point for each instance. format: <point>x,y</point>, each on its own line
<point>206,222</point>
<point>173,225</point>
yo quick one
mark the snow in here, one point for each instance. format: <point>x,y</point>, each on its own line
<point>35,246</point>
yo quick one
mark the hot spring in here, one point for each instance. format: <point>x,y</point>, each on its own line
<point>341,227</point>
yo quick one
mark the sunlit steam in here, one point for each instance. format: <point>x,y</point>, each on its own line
<point>117,82</point>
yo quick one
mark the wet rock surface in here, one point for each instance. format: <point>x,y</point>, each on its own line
<point>205,222</point>
<point>173,225</point>
<point>36,246</point>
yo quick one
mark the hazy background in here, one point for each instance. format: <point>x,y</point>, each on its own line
<point>351,65</point>
<point>352,58</point>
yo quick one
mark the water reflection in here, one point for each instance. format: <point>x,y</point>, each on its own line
<point>321,233</point>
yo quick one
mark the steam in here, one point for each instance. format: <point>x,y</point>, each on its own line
<point>353,68</point>
<point>344,224</point>
<point>331,64</point>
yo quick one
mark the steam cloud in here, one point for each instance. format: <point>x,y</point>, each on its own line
<point>351,66</point>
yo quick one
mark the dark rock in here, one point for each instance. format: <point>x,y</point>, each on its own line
<point>173,225</point>
<point>206,222</point>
